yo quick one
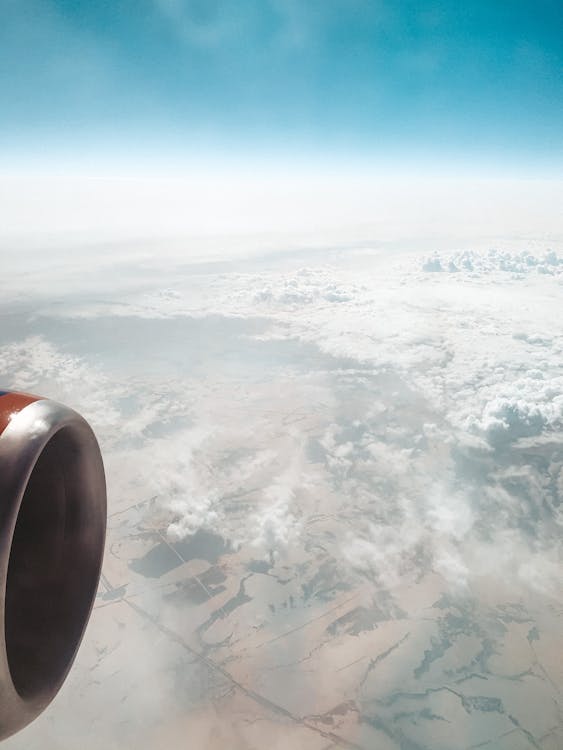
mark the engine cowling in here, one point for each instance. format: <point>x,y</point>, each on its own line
<point>52,533</point>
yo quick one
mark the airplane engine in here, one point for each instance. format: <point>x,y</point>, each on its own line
<point>52,532</point>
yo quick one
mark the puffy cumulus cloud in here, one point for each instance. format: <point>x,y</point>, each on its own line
<point>36,365</point>
<point>175,474</point>
<point>398,514</point>
<point>498,524</point>
<point>404,518</point>
<point>197,495</point>
<point>525,407</point>
<point>433,265</point>
<point>509,418</point>
<point>432,531</point>
<point>283,504</point>
<point>305,287</point>
<point>244,481</point>
<point>465,359</point>
<point>535,339</point>
<point>474,264</point>
<point>275,525</point>
<point>123,410</point>
<point>386,315</point>
<point>194,513</point>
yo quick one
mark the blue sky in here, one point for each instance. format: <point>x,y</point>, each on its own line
<point>478,81</point>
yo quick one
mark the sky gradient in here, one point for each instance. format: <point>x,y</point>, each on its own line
<point>430,80</point>
<point>299,263</point>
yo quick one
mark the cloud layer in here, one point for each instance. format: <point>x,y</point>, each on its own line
<point>352,465</point>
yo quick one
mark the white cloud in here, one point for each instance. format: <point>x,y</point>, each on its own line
<point>276,523</point>
<point>35,365</point>
<point>397,426</point>
<point>495,262</point>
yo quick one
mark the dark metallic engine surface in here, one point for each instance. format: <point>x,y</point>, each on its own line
<point>52,532</point>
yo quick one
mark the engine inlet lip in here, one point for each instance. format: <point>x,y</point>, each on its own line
<point>23,441</point>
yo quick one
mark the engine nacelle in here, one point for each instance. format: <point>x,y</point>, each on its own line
<point>52,533</point>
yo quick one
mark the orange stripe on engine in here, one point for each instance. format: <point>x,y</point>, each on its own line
<point>11,404</point>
